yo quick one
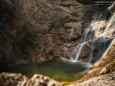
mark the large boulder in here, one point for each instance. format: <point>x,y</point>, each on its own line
<point>12,79</point>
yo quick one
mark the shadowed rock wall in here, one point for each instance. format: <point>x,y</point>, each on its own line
<point>37,30</point>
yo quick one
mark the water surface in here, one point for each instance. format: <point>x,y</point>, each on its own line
<point>56,69</point>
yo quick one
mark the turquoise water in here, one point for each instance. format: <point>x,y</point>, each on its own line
<point>56,69</point>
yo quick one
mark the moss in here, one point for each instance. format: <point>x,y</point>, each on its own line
<point>66,83</point>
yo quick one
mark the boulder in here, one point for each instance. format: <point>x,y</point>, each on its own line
<point>12,79</point>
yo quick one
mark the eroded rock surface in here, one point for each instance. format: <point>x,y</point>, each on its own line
<point>37,30</point>
<point>12,79</point>
<point>105,65</point>
<point>97,37</point>
<point>103,80</point>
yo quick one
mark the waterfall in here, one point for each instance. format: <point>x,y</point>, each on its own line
<point>98,41</point>
<point>104,14</point>
<point>86,35</point>
<point>112,21</point>
<point>79,51</point>
<point>104,54</point>
<point>89,64</point>
<point>108,31</point>
<point>79,47</point>
<point>90,57</point>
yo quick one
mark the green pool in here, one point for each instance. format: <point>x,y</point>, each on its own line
<point>56,69</point>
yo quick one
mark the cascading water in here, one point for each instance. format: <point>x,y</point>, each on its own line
<point>104,54</point>
<point>87,35</point>
<point>97,38</point>
<point>89,64</point>
<point>79,51</point>
<point>112,21</point>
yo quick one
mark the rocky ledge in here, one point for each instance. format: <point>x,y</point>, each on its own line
<point>103,80</point>
<point>12,79</point>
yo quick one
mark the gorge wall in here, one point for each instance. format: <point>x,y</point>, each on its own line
<point>37,30</point>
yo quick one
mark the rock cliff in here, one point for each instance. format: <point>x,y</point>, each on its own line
<point>37,30</point>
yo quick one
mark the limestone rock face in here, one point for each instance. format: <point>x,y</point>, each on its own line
<point>103,80</point>
<point>37,30</point>
<point>96,39</point>
<point>105,27</point>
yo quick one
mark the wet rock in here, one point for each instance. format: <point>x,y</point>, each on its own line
<point>105,27</point>
<point>99,25</point>
<point>103,72</point>
<point>96,38</point>
<point>91,49</point>
<point>104,66</point>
